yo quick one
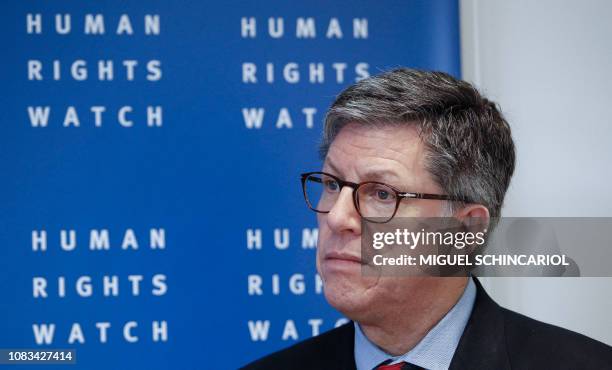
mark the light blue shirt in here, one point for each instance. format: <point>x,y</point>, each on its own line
<point>435,351</point>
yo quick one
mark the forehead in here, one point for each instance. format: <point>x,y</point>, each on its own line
<point>389,153</point>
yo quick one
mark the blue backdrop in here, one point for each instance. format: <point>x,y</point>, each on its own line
<point>150,209</point>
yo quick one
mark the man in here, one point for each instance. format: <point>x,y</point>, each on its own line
<point>430,134</point>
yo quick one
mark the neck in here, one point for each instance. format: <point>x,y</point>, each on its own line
<point>397,330</point>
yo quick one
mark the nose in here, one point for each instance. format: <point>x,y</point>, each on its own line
<point>343,217</point>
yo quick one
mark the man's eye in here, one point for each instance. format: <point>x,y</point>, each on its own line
<point>331,185</point>
<point>382,194</point>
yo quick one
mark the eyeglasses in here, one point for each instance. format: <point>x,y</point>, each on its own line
<point>374,201</point>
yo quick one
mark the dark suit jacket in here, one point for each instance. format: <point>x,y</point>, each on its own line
<point>494,338</point>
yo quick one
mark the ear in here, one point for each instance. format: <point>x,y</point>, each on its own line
<point>473,216</point>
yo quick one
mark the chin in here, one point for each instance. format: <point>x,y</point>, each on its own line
<point>348,299</point>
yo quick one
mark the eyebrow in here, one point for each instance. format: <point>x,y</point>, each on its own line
<point>382,175</point>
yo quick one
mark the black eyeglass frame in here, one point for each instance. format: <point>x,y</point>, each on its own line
<point>399,195</point>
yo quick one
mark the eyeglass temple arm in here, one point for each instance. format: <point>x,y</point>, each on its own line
<point>432,196</point>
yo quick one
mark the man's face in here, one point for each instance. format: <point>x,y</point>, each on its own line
<point>394,155</point>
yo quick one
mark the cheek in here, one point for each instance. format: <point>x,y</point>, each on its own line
<point>323,234</point>
<point>424,208</point>
<point>407,210</point>
<point>321,219</point>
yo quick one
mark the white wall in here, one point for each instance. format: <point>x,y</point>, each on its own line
<point>549,65</point>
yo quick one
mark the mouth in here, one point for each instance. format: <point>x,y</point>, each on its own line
<point>343,257</point>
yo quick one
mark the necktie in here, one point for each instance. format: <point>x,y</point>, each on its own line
<point>398,366</point>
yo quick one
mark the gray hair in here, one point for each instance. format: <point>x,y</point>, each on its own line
<point>470,152</point>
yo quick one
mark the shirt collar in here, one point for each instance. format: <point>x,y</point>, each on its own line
<point>435,350</point>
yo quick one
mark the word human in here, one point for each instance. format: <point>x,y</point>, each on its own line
<point>281,238</point>
<point>91,24</point>
<point>306,28</point>
<point>98,239</point>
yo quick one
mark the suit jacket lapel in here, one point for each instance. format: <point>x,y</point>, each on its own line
<point>483,344</point>
<point>346,347</point>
